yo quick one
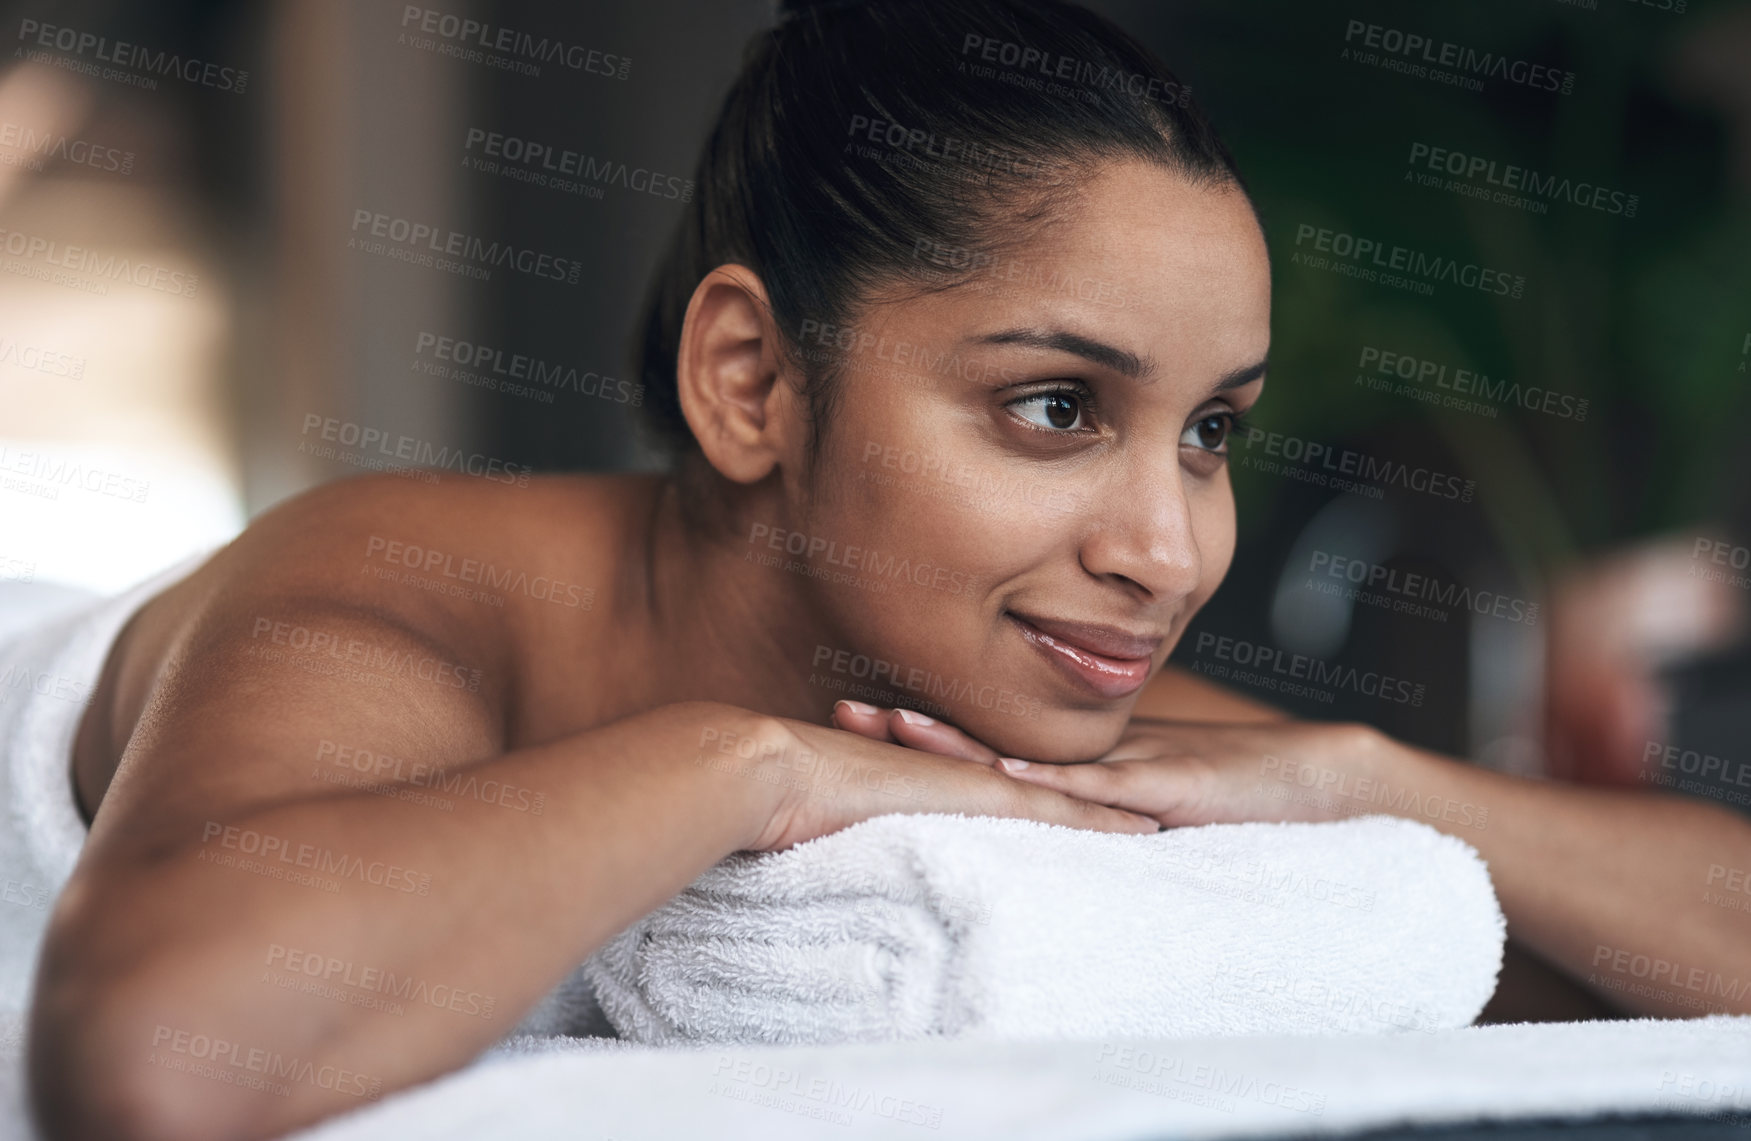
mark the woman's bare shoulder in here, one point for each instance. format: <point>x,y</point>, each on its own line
<point>483,573</point>
<point>470,553</point>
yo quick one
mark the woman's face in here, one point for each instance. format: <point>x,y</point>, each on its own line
<point>1024,479</point>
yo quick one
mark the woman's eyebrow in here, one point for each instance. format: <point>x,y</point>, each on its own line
<point>1240,376</point>
<point>1121,361</point>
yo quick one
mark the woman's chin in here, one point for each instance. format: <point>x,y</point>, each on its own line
<point>1054,736</point>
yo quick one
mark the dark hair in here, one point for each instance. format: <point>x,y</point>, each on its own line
<point>984,116</point>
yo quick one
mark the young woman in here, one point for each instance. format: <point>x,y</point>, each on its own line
<point>949,346</point>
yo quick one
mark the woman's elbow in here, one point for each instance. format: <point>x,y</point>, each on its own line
<point>104,1059</point>
<point>101,1066</point>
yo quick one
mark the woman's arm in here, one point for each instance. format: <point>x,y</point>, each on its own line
<point>246,946</point>
<point>1629,892</point>
<point>224,861</point>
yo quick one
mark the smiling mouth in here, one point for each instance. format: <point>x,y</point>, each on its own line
<point>1074,653</point>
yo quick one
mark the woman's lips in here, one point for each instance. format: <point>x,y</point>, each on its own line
<point>1107,675</point>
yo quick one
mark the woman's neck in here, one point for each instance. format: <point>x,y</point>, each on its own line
<point>722,625</point>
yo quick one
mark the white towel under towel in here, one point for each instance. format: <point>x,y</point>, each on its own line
<point>915,926</point>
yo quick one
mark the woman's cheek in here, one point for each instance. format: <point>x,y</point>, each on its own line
<point>1213,532</point>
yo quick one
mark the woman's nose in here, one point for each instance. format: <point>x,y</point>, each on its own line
<point>1144,534</point>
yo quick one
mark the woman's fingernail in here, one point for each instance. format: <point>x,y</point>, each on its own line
<point>1012,764</point>
<point>858,707</point>
<point>913,717</point>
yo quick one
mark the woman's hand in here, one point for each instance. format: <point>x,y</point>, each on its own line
<point>1180,773</point>
<point>824,779</point>
<point>912,729</point>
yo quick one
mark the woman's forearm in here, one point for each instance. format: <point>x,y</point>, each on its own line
<point>1641,896</point>
<point>348,945</point>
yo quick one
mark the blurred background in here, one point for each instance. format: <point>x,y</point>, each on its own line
<point>247,248</point>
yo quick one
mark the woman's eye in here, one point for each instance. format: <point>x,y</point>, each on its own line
<point>1211,432</point>
<point>1061,411</point>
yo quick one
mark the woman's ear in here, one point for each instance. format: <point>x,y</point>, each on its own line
<point>728,376</point>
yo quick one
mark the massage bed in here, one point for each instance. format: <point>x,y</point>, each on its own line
<point>1631,1080</point>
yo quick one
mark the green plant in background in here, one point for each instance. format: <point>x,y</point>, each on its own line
<point>1643,317</point>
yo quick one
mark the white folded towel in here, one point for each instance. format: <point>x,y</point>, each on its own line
<point>913,926</point>
<point>48,672</point>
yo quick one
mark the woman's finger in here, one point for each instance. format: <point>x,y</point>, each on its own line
<point>1161,791</point>
<point>863,719</point>
<point>909,727</point>
<point>1087,780</point>
<point>912,729</point>
<point>1052,807</point>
